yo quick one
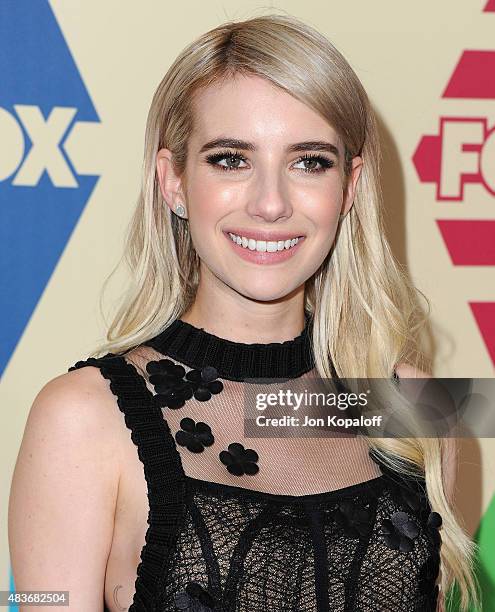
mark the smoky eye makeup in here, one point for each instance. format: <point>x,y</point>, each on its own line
<point>237,158</point>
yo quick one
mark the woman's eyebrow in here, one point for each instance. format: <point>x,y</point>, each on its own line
<point>234,143</point>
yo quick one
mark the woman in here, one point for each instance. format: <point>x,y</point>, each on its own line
<point>257,250</point>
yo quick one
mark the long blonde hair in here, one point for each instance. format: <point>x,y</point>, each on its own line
<point>366,315</point>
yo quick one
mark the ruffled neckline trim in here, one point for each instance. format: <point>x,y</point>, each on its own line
<point>197,348</point>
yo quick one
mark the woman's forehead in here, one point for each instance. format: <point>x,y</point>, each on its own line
<point>253,109</point>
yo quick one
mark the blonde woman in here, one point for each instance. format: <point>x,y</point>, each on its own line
<point>257,250</point>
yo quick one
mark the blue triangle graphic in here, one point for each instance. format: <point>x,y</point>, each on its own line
<point>37,221</point>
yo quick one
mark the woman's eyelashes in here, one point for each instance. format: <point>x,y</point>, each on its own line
<point>215,158</point>
<point>309,161</point>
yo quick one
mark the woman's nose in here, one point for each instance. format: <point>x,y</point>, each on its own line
<point>270,199</point>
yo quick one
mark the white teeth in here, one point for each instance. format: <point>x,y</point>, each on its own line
<point>262,245</point>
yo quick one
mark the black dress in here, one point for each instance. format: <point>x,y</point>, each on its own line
<point>224,533</point>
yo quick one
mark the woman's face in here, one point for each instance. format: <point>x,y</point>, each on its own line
<point>282,180</point>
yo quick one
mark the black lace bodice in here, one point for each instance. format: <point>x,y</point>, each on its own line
<point>224,533</point>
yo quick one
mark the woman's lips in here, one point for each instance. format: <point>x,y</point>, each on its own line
<point>266,257</point>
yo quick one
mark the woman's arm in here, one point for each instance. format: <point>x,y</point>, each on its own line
<point>64,491</point>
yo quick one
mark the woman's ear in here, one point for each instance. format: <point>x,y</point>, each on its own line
<point>170,182</point>
<point>357,164</point>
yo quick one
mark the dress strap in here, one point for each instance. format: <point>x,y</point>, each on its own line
<point>163,471</point>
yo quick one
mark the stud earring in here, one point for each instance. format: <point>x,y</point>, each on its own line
<point>180,210</point>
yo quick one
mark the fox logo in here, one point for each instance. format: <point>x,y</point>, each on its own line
<point>463,152</point>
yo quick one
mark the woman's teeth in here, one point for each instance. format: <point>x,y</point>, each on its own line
<point>263,245</point>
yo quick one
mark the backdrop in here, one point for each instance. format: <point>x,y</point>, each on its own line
<point>76,83</point>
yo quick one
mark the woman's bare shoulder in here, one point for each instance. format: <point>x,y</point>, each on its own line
<point>80,398</point>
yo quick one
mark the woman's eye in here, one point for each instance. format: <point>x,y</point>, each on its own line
<point>310,163</point>
<point>232,161</point>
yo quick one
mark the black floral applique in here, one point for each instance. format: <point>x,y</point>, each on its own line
<point>239,460</point>
<point>433,524</point>
<point>173,391</point>
<point>399,531</point>
<point>353,518</point>
<point>194,598</point>
<point>194,436</point>
<point>204,382</point>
